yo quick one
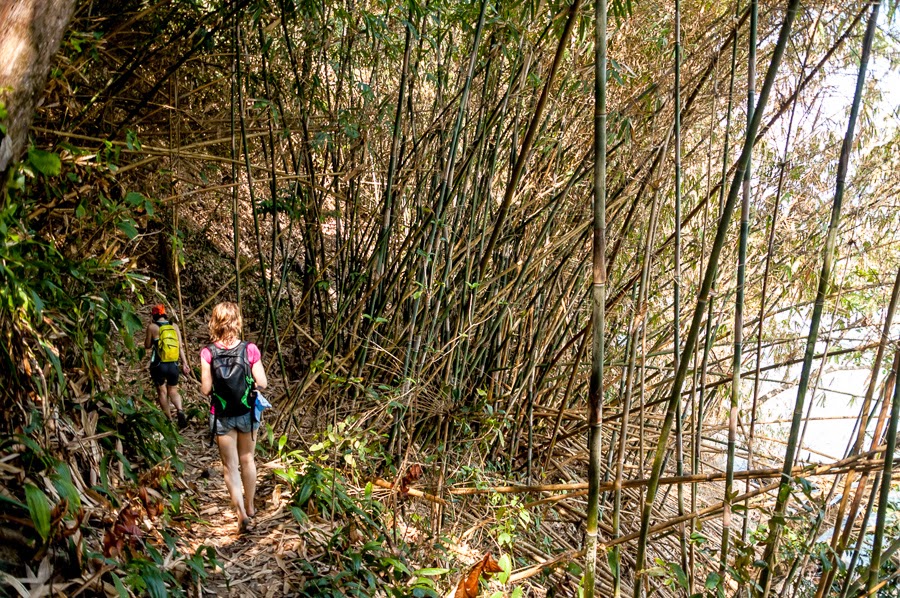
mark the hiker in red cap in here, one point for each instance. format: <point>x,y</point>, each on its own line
<point>167,350</point>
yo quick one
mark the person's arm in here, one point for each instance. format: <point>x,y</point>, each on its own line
<point>148,337</point>
<point>205,378</point>
<point>185,366</point>
<point>259,375</point>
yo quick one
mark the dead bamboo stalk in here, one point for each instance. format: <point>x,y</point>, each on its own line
<point>769,472</point>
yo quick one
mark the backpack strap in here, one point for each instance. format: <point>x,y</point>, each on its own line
<point>214,416</point>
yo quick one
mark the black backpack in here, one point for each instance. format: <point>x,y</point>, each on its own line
<point>233,384</point>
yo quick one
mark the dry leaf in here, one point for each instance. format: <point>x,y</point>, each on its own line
<point>412,476</point>
<point>124,532</point>
<point>468,587</point>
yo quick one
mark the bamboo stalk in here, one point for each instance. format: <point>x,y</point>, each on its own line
<point>598,289</point>
<point>703,296</point>
<point>676,286</point>
<point>775,523</point>
<point>886,475</point>
<point>735,395</point>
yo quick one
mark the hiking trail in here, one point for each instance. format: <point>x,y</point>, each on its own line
<point>264,561</point>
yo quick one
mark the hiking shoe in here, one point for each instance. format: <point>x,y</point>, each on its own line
<point>182,420</point>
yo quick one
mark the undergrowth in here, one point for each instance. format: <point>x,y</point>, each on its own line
<point>87,460</point>
<point>360,554</point>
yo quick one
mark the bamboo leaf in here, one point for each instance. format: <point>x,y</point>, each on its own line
<point>712,580</point>
<point>120,587</point>
<point>39,510</point>
<point>128,227</point>
<point>47,163</point>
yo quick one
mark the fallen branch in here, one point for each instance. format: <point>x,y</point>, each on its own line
<point>412,492</point>
<point>772,472</point>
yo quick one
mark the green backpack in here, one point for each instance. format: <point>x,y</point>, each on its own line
<point>167,346</point>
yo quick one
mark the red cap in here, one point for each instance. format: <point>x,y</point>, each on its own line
<point>158,310</point>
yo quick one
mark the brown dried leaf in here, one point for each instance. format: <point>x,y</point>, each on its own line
<point>125,531</point>
<point>490,565</point>
<point>412,476</point>
<point>468,586</point>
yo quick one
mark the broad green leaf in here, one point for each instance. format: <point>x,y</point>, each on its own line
<point>62,481</point>
<point>712,580</point>
<point>127,226</point>
<point>47,163</point>
<point>680,575</point>
<point>613,562</point>
<point>431,571</point>
<point>120,587</point>
<point>504,563</point>
<point>39,509</point>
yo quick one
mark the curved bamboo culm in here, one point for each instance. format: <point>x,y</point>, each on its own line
<point>676,287</point>
<point>784,491</point>
<point>235,205</point>
<point>737,360</point>
<point>703,295</point>
<point>885,490</point>
<point>265,280</point>
<point>839,540</point>
<point>770,243</point>
<point>598,300</point>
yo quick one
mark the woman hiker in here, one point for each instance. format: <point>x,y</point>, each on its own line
<point>163,339</point>
<point>231,371</point>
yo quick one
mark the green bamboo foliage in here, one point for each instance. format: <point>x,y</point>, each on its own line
<point>703,295</point>
<point>784,490</point>
<point>598,300</point>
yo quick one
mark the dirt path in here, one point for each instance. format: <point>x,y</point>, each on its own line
<point>264,562</point>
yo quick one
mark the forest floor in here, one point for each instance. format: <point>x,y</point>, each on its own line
<point>264,560</point>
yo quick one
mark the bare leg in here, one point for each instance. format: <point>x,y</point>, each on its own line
<point>246,446</point>
<point>174,397</point>
<point>175,400</point>
<point>163,400</point>
<point>228,451</point>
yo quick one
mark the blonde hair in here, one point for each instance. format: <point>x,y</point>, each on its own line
<point>225,322</point>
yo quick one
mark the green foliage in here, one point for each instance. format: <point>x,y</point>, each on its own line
<point>149,574</point>
<point>67,319</point>
<point>60,302</point>
<point>39,510</point>
<point>357,554</point>
<point>157,441</point>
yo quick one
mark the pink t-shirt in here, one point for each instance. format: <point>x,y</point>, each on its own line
<point>253,354</point>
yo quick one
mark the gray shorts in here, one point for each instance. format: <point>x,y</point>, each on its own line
<point>241,423</point>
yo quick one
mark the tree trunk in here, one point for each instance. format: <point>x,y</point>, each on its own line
<point>31,33</point>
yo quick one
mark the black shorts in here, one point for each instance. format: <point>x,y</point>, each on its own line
<point>165,373</point>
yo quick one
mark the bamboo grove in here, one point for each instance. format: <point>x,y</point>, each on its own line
<point>576,248</point>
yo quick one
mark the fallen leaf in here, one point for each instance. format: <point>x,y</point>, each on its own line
<point>412,476</point>
<point>124,532</point>
<point>468,586</point>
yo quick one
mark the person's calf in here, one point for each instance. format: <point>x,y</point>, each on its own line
<point>174,400</point>
<point>164,402</point>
